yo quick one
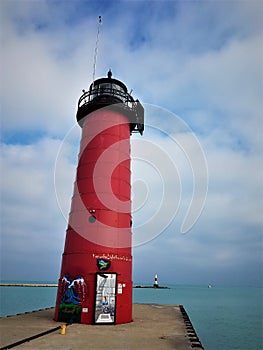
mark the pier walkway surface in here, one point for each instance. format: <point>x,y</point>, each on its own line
<point>153,327</point>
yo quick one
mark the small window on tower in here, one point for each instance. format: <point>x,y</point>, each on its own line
<point>92,219</point>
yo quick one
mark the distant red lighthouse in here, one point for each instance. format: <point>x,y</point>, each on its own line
<point>95,284</point>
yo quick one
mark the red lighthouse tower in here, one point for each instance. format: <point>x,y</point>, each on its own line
<point>95,284</point>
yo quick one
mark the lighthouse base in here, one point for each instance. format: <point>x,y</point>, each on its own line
<point>101,298</point>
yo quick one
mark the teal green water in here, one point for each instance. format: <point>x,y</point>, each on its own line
<point>225,318</point>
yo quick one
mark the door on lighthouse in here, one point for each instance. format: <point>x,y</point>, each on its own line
<point>105,299</point>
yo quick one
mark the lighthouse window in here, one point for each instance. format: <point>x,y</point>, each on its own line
<point>92,219</point>
<point>105,88</point>
<point>117,87</point>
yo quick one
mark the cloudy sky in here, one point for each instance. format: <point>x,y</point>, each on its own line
<point>197,67</point>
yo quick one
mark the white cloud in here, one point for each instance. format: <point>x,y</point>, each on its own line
<point>31,221</point>
<point>202,61</point>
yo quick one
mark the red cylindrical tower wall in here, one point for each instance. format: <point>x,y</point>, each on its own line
<point>100,218</point>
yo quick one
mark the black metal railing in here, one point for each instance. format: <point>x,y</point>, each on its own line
<point>99,97</point>
<point>90,95</point>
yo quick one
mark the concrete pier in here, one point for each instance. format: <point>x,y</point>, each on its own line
<point>28,285</point>
<point>153,327</point>
<point>153,287</point>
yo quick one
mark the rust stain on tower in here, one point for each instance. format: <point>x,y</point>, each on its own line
<point>95,284</point>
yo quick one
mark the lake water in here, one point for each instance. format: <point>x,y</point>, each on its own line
<point>225,318</point>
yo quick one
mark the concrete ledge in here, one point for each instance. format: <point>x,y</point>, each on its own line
<point>153,327</point>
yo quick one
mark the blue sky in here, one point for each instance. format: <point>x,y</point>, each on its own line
<point>197,62</point>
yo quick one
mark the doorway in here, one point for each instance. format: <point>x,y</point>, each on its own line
<point>105,298</point>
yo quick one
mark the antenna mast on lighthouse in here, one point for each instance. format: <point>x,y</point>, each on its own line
<point>96,49</point>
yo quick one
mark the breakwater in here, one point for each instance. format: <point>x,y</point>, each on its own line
<point>153,287</point>
<point>55,285</point>
<point>28,285</point>
<point>38,330</point>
